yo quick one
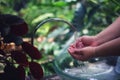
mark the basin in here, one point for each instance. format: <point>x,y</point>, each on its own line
<point>70,69</point>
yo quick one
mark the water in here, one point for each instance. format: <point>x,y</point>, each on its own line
<point>117,67</point>
<point>92,71</point>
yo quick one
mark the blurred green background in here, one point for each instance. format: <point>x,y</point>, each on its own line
<point>88,16</point>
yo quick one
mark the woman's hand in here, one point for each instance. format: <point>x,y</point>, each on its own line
<point>82,53</point>
<point>83,48</point>
<point>87,41</point>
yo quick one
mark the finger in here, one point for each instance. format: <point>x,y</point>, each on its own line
<point>71,50</point>
<point>76,56</point>
<point>72,45</point>
<point>79,57</point>
<point>78,52</point>
<point>79,39</point>
<point>79,45</point>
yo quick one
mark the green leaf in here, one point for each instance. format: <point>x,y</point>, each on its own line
<point>42,17</point>
<point>60,3</point>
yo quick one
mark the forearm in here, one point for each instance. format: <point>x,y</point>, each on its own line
<point>111,48</point>
<point>111,32</point>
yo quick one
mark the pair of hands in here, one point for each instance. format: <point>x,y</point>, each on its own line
<point>83,48</point>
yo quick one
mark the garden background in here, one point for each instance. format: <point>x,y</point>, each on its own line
<point>88,16</point>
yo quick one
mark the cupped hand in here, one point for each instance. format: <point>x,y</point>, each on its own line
<point>82,54</point>
<point>86,41</point>
<point>83,48</point>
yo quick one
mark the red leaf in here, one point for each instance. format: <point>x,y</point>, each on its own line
<point>36,70</point>
<point>21,72</point>
<point>19,57</point>
<point>17,24</point>
<point>19,29</point>
<point>11,19</point>
<point>32,51</point>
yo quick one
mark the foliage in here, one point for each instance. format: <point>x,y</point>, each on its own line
<point>88,16</point>
<point>15,54</point>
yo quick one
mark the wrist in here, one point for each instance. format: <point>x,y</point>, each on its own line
<point>95,41</point>
<point>95,53</point>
